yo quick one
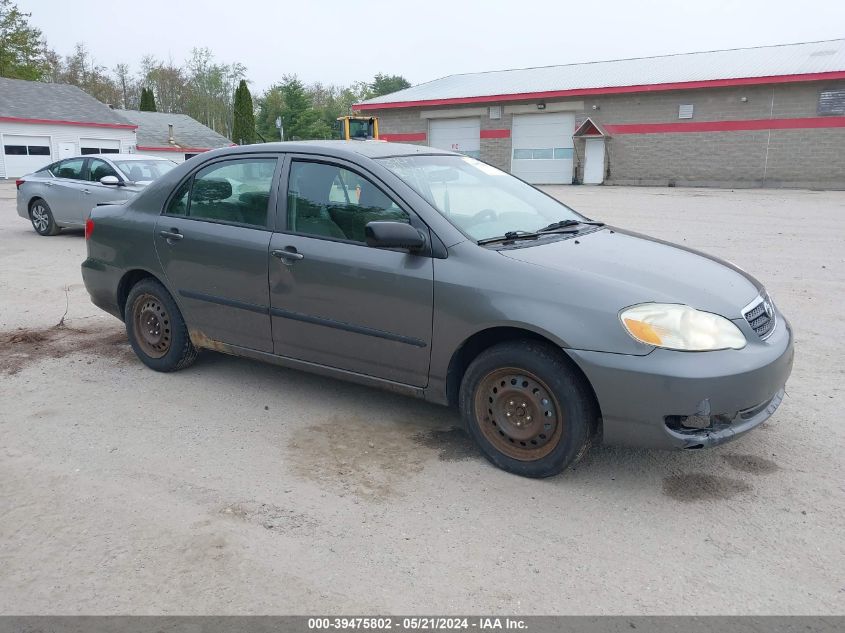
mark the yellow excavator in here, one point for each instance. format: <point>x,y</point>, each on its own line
<point>358,127</point>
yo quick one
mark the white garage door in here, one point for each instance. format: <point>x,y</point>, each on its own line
<point>25,154</point>
<point>542,147</point>
<point>458,135</point>
<point>98,146</point>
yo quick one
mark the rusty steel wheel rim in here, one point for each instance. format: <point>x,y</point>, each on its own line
<point>152,325</point>
<point>518,414</point>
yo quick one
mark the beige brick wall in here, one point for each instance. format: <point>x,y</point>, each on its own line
<point>809,157</point>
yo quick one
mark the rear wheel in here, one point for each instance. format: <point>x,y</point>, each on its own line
<point>528,409</point>
<point>42,218</point>
<point>156,329</point>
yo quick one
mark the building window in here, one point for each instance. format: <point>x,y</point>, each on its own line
<point>685,111</point>
<point>545,153</point>
<point>14,150</point>
<point>831,102</point>
<point>99,150</point>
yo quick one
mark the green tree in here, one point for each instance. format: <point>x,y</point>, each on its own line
<point>79,69</point>
<point>211,89</point>
<point>243,128</point>
<point>385,84</point>
<point>167,82</point>
<point>22,49</point>
<point>291,101</point>
<point>148,101</point>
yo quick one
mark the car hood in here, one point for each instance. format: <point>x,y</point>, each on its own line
<point>637,269</point>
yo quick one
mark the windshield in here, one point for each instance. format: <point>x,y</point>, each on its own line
<point>360,128</point>
<point>480,200</point>
<point>144,170</point>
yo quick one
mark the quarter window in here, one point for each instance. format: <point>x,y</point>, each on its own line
<point>235,191</point>
<point>71,168</point>
<point>330,201</point>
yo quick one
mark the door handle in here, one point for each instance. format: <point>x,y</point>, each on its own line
<point>86,191</point>
<point>171,235</point>
<point>48,184</point>
<point>291,255</point>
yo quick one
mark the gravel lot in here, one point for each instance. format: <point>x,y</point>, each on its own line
<point>237,487</point>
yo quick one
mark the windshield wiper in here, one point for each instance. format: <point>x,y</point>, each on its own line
<point>512,236</point>
<point>564,223</point>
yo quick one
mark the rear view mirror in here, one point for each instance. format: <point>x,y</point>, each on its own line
<point>393,235</point>
<point>110,180</point>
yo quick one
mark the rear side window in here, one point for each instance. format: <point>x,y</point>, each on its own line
<point>330,201</point>
<point>71,168</point>
<point>236,191</point>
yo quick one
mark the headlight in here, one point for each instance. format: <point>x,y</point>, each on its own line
<point>681,327</point>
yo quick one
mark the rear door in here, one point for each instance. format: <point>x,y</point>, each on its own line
<point>334,300</point>
<point>212,242</point>
<point>69,194</point>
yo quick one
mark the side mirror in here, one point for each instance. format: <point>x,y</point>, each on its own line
<point>393,235</point>
<point>110,180</point>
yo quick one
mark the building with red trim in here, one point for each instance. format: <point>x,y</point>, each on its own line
<point>766,116</point>
<point>43,122</point>
<point>174,136</point>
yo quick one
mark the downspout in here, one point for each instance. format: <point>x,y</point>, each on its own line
<point>769,138</point>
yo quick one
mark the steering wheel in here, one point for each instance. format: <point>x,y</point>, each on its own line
<point>484,215</point>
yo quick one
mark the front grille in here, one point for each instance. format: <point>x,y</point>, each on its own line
<point>761,317</point>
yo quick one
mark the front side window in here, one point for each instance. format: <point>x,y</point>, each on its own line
<point>480,200</point>
<point>236,191</point>
<point>99,169</point>
<point>70,168</point>
<point>330,201</point>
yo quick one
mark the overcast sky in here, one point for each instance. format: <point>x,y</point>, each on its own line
<point>341,42</point>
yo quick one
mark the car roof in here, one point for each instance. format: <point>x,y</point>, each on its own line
<point>123,157</point>
<point>370,149</point>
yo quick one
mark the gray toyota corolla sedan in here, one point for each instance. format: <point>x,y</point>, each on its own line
<point>62,194</point>
<point>436,275</point>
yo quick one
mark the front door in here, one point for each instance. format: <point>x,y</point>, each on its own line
<point>212,243</point>
<point>67,149</point>
<point>334,300</point>
<point>594,161</point>
<point>100,193</point>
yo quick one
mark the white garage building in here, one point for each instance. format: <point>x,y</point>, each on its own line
<point>41,123</point>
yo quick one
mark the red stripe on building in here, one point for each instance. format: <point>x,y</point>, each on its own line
<point>727,126</point>
<point>170,148</point>
<point>585,92</point>
<point>408,136</point>
<point>495,133</point>
<point>117,126</point>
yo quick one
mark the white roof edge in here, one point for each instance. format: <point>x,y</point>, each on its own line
<point>760,61</point>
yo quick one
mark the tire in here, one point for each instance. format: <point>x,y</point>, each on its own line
<point>528,408</point>
<point>42,218</point>
<point>156,329</point>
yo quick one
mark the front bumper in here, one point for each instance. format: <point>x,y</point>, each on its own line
<point>647,401</point>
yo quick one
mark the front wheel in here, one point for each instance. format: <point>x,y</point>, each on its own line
<point>156,329</point>
<point>42,218</point>
<point>529,410</point>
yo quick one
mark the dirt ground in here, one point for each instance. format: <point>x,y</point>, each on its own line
<point>237,487</point>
